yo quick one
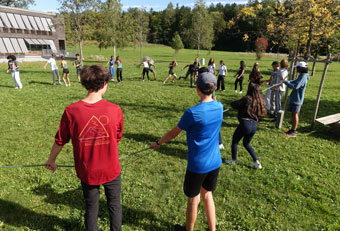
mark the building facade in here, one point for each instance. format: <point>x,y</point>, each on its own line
<point>28,32</point>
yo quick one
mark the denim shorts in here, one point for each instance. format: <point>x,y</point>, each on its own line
<point>294,107</point>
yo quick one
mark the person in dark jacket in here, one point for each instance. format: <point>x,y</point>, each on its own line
<point>251,109</point>
<point>297,96</point>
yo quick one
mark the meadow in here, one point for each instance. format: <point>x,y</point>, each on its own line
<point>297,189</point>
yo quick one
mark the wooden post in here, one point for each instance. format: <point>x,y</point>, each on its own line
<point>290,77</point>
<point>320,90</point>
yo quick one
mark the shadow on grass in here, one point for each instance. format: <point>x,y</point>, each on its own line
<point>16,215</point>
<point>164,149</point>
<point>6,86</point>
<point>74,199</point>
<point>39,82</point>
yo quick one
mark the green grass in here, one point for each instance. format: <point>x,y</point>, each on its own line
<point>298,188</point>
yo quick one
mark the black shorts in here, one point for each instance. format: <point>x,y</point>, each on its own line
<point>151,70</point>
<point>171,72</point>
<point>66,71</point>
<point>194,181</point>
<point>78,71</point>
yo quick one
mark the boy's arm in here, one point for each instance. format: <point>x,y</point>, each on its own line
<point>167,137</point>
<point>296,84</point>
<point>120,128</point>
<point>45,65</point>
<point>50,163</point>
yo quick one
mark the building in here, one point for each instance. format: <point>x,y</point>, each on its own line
<point>27,32</point>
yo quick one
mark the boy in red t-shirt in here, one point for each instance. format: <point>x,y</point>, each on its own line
<point>95,127</point>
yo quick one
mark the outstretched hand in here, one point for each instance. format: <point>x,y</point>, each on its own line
<point>154,145</point>
<point>51,165</point>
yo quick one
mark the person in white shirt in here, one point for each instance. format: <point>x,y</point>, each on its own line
<point>211,66</point>
<point>54,68</point>
<point>145,65</point>
<point>222,71</point>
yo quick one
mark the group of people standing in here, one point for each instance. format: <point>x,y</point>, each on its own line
<point>119,72</point>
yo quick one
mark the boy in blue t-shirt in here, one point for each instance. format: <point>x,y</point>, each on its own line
<point>202,124</point>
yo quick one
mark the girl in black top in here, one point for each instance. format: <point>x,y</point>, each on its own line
<point>172,65</point>
<point>240,76</point>
<point>251,109</point>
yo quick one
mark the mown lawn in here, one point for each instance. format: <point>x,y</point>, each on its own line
<point>297,189</point>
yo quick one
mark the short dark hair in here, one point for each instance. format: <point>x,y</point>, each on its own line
<point>77,55</point>
<point>302,69</point>
<point>12,57</point>
<point>209,91</point>
<point>203,69</point>
<point>93,77</point>
<point>275,63</point>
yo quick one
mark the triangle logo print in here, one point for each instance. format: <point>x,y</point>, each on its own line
<point>93,130</point>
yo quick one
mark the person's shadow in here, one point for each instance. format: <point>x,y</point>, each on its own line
<point>16,215</point>
<point>74,198</point>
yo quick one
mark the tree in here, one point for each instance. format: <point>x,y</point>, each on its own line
<point>261,45</point>
<point>114,26</point>
<point>17,3</point>
<point>202,29</point>
<point>79,14</point>
<point>177,43</point>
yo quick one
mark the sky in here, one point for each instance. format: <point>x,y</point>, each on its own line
<point>53,5</point>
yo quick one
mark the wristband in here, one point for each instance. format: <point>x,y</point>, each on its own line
<point>157,142</point>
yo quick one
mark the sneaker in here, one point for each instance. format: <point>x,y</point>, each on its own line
<point>235,91</point>
<point>223,90</point>
<point>112,80</point>
<point>54,84</point>
<point>290,133</point>
<point>181,77</point>
<point>178,227</point>
<point>240,92</point>
<point>256,165</point>
<point>230,161</point>
<point>221,146</point>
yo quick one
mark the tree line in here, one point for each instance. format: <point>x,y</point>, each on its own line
<point>309,27</point>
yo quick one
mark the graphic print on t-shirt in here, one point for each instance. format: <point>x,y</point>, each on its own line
<point>94,130</point>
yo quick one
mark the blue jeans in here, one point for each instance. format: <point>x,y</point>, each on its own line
<point>245,129</point>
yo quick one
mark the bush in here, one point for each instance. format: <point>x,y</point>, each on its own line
<point>177,43</point>
<point>261,45</point>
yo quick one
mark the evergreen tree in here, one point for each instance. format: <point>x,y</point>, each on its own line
<point>177,43</point>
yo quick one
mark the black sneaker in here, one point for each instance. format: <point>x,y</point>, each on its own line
<point>178,227</point>
<point>290,133</point>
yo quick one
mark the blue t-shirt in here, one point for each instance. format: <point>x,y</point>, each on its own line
<point>202,124</point>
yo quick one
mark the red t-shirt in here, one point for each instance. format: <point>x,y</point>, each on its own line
<point>95,130</point>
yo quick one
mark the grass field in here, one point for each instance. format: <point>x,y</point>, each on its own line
<point>297,189</point>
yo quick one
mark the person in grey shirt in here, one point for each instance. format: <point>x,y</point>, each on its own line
<point>13,66</point>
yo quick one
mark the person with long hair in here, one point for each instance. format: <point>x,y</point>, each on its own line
<point>77,65</point>
<point>240,76</point>
<point>251,109</point>
<point>152,68</point>
<point>13,67</point>
<point>119,69</point>
<point>66,71</point>
<point>111,64</point>
<point>255,75</point>
<point>222,71</point>
<point>297,96</point>
<point>211,66</point>
<point>172,65</point>
<point>196,68</point>
<point>282,76</point>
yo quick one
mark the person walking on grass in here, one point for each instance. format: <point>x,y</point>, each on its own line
<point>111,64</point>
<point>222,72</point>
<point>54,68</point>
<point>202,124</point>
<point>191,71</point>
<point>13,67</point>
<point>77,65</point>
<point>145,65</point>
<point>251,109</point>
<point>172,65</point>
<point>66,71</point>
<point>297,96</point>
<point>240,76</point>
<point>95,127</point>
<point>119,69</point>
<point>152,68</point>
